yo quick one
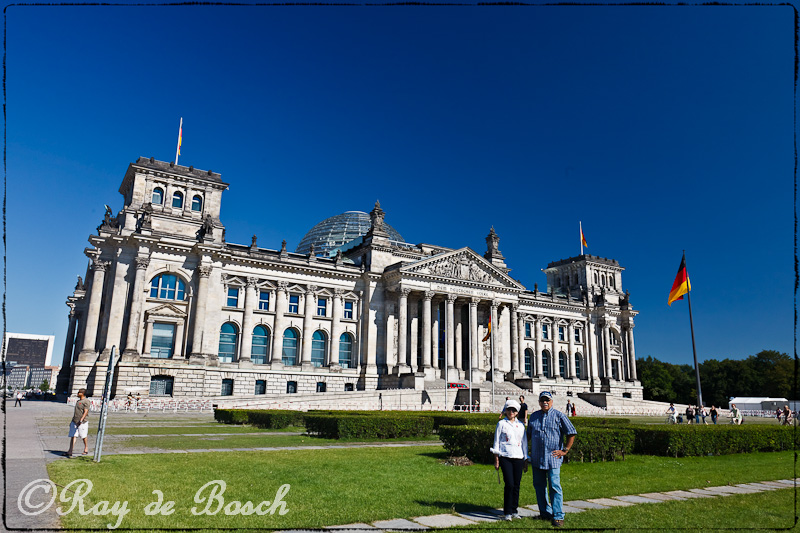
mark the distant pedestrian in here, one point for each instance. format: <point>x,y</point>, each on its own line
<point>736,415</point>
<point>787,415</point>
<point>568,409</point>
<point>18,401</point>
<point>573,409</point>
<point>703,414</point>
<point>510,451</point>
<point>689,414</point>
<point>778,414</point>
<point>523,411</point>
<point>79,426</point>
<point>671,419</point>
<point>714,414</point>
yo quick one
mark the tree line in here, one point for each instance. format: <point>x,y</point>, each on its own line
<point>766,374</point>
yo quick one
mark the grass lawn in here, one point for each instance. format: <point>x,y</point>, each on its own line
<point>156,430</point>
<point>338,486</point>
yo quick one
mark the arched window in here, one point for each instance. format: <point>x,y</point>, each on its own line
<point>611,282</point>
<point>168,287</point>
<point>158,196</point>
<point>578,365</point>
<point>346,351</point>
<point>546,363</point>
<point>528,362</point>
<point>614,338</point>
<point>318,342</point>
<point>197,203</point>
<point>258,355</point>
<point>290,347</point>
<point>595,278</point>
<point>177,199</point>
<point>562,364</point>
<point>228,341</point>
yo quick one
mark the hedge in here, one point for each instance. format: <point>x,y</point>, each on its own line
<point>387,426</point>
<point>472,441</point>
<point>687,440</point>
<point>262,418</point>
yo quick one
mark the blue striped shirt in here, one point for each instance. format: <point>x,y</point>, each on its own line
<point>547,432</point>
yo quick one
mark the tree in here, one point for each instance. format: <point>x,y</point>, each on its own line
<point>45,386</point>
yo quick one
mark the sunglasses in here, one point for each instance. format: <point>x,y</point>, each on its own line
<point>545,400</point>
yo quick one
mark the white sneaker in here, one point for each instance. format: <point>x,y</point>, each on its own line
<point>507,518</point>
<point>516,515</point>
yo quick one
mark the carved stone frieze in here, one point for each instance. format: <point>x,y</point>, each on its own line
<point>142,263</point>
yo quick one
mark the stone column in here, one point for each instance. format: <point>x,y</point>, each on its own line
<point>593,349</point>
<point>198,355</point>
<point>556,372</point>
<point>459,343</point>
<point>277,336</point>
<point>494,338</point>
<point>402,332</point>
<point>435,338</point>
<point>336,328</point>
<point>571,353</point>
<point>607,350</point>
<point>413,336</point>
<point>308,326</point>
<point>473,336</point>
<point>250,301</point>
<point>426,330</point>
<point>62,382</point>
<point>88,350</point>
<point>537,325</point>
<point>131,352</point>
<point>521,337</point>
<point>451,368</point>
<point>148,337</point>
<point>632,354</point>
<point>515,366</point>
<point>114,311</point>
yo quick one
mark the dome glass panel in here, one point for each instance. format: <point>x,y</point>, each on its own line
<point>338,230</point>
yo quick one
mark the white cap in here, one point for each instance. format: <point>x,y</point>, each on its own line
<point>511,403</point>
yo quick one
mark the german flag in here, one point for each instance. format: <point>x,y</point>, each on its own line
<point>488,332</point>
<point>681,285</point>
<point>583,239</point>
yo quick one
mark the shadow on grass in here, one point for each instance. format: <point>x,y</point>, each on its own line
<point>458,507</point>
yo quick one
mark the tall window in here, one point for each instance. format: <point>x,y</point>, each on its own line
<point>546,363</point>
<point>614,338</point>
<point>263,300</point>
<point>528,362</point>
<point>577,335</point>
<point>228,340</point>
<point>233,297</point>
<point>167,287</point>
<point>197,203</point>
<point>163,340</point>
<point>318,348</point>
<point>545,331</point>
<point>528,329</point>
<point>158,196</point>
<point>227,387</point>
<point>260,345</point>
<point>291,387</point>
<point>578,365</point>
<point>161,385</point>
<point>561,333</point>
<point>177,199</point>
<point>348,310</point>
<point>322,307</point>
<point>261,386</point>
<point>289,355</point>
<point>294,303</point>
<point>346,351</point>
<point>562,364</point>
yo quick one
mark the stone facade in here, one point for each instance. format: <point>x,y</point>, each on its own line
<point>195,316</point>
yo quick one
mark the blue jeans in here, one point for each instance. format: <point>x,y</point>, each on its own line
<point>548,483</point>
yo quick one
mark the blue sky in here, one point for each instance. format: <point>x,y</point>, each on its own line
<point>661,128</point>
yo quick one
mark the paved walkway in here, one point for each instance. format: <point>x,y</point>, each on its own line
<point>28,449</point>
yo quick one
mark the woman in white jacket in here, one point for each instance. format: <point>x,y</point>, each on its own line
<point>510,451</point>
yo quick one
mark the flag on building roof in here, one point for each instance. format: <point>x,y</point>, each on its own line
<point>681,285</point>
<point>583,239</point>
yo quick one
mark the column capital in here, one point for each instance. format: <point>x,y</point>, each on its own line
<point>404,292</point>
<point>251,282</point>
<point>338,293</point>
<point>473,302</point>
<point>142,263</point>
<point>428,295</point>
<point>311,290</point>
<point>495,303</point>
<point>100,266</point>
<point>451,298</point>
<point>204,271</point>
<point>514,307</point>
<point>282,286</point>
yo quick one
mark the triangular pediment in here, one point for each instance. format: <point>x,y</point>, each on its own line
<point>462,265</point>
<point>166,310</point>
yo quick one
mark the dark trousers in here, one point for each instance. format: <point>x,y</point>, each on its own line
<point>512,476</point>
<point>18,402</point>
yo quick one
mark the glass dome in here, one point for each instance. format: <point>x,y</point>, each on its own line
<point>338,230</point>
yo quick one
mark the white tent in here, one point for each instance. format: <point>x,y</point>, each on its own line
<point>758,403</point>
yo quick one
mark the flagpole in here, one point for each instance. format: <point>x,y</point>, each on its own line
<point>580,225</point>
<point>691,326</point>
<point>178,149</point>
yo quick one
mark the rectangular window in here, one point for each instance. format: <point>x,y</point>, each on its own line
<point>348,310</point>
<point>227,387</point>
<point>577,335</point>
<point>161,386</point>
<point>263,300</point>
<point>261,386</point>
<point>294,303</point>
<point>528,329</point>
<point>163,340</point>
<point>322,307</point>
<point>233,297</point>
<point>545,331</point>
<point>321,386</point>
<point>561,334</point>
<point>291,387</point>
<point>348,387</point>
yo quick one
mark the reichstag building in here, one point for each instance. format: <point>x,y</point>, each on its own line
<point>353,308</point>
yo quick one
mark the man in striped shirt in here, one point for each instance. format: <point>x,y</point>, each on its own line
<point>552,436</point>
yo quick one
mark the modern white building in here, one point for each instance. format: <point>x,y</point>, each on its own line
<point>356,308</point>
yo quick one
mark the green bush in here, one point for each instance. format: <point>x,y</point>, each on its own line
<point>231,416</point>
<point>263,418</point>
<point>472,441</point>
<point>358,426</point>
<point>590,421</point>
<point>601,444</point>
<point>679,441</point>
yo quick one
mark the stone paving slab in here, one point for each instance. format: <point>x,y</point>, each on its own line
<point>590,504</point>
<point>483,516</point>
<point>570,509</point>
<point>636,499</point>
<point>398,523</point>
<point>609,502</point>
<point>787,481</point>
<point>758,486</point>
<point>354,528</point>
<point>527,513</point>
<point>707,492</point>
<point>443,520</point>
<point>730,489</point>
<point>774,484</point>
<point>661,496</point>
<point>687,494</point>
